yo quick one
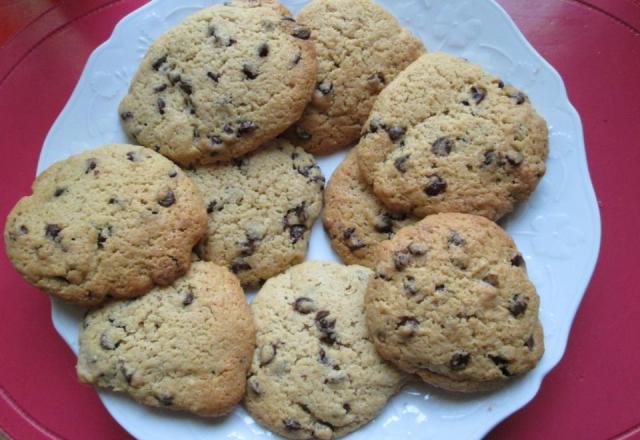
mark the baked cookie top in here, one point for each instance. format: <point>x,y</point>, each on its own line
<point>451,302</point>
<point>354,218</point>
<point>261,209</point>
<point>315,372</point>
<point>446,136</point>
<point>221,83</point>
<point>183,347</point>
<point>108,222</point>
<point>360,49</point>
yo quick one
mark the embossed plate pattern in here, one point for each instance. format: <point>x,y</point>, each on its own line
<point>558,230</point>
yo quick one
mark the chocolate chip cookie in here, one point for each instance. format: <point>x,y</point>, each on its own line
<point>184,347</point>
<point>109,222</point>
<point>261,209</point>
<point>315,372</point>
<point>354,218</point>
<point>448,137</point>
<point>452,303</point>
<point>221,83</point>
<point>360,49</point>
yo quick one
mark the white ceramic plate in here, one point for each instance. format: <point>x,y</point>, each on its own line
<point>558,230</point>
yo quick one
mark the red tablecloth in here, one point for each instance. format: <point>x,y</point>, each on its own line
<point>594,393</point>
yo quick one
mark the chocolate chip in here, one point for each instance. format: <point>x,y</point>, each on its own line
<point>376,125</point>
<point>302,33</point>
<point>228,128</point>
<point>107,344</point>
<point>291,425</point>
<point>240,266</point>
<point>103,235</point>
<point>378,76</point>
<point>131,156</point>
<point>322,357</point>
<point>267,354</point>
<point>409,284</point>
<point>164,399</point>
<point>188,298</point>
<point>396,132</point>
<point>440,287</point>
<point>442,146</point>
<point>91,165</point>
<point>296,59</point>
<point>52,231</point>
<point>407,326</point>
<point>515,158</point>
<point>519,97</point>
<point>501,363</point>
<point>325,86</point>
<point>326,326</point>
<point>186,88</point>
<point>128,375</point>
<point>254,385</point>
<point>302,134</point>
<point>250,71</point>
<point>500,84</point>
<point>231,42</point>
<point>174,77</point>
<point>126,115</point>
<point>417,249</point>
<point>456,240</point>
<point>459,360</point>
<point>168,200</point>
<point>173,174</point>
<point>517,260</point>
<point>161,105</point>
<point>401,163</point>
<point>347,407</point>
<point>214,76</point>
<point>24,229</point>
<point>304,305</point>
<point>401,260</point>
<point>113,201</point>
<point>529,343</point>
<point>159,62</point>
<point>263,50</point>
<point>59,191</point>
<point>465,103</point>
<point>518,305</point>
<point>478,94</point>
<point>492,279</point>
<point>383,224</point>
<point>245,127</point>
<point>351,240</point>
<point>435,185</point>
<point>381,275</point>
<point>211,206</point>
<point>160,88</point>
<point>490,157</point>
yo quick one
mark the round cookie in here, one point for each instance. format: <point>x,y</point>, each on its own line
<point>183,347</point>
<point>109,222</point>
<point>452,303</point>
<point>261,209</point>
<point>446,136</point>
<point>360,49</point>
<point>354,218</point>
<point>221,83</point>
<point>315,372</point>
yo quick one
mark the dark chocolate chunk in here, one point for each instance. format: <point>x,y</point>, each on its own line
<point>409,284</point>
<point>459,360</point>
<point>396,132</point>
<point>376,125</point>
<point>478,94</point>
<point>383,224</point>
<point>326,326</point>
<point>263,50</point>
<point>240,266</point>
<point>440,287</point>
<point>302,33</point>
<point>214,76</point>
<point>302,134</point>
<point>442,146</point>
<point>519,97</point>
<point>347,407</point>
<point>186,87</point>
<point>24,229</point>
<point>378,76</point>
<point>501,363</point>
<point>322,357</point>
<point>173,174</point>
<point>126,115</point>
<point>164,399</point>
<point>407,326</point>
<point>245,127</point>
<point>351,240</point>
<point>490,157</point>
<point>465,103</point>
<point>160,88</point>
<point>517,260</point>
<point>91,165</point>
<point>103,235</point>
<point>456,240</point>
<point>168,200</point>
<point>435,185</point>
<point>52,231</point>
<point>159,62</point>
<point>401,260</point>
<point>501,84</point>
<point>215,139</point>
<point>250,71</point>
<point>188,298</point>
<point>59,191</point>
<point>211,206</point>
<point>228,128</point>
<point>131,155</point>
<point>518,305</point>
<point>304,305</point>
<point>291,425</point>
<point>325,86</point>
<point>401,163</point>
<point>113,201</point>
<point>161,105</point>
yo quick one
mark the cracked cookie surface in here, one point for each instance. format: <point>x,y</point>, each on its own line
<point>108,222</point>
<point>360,49</point>
<point>451,302</point>
<point>261,210</point>
<point>446,136</point>
<point>315,372</point>
<point>221,83</point>
<point>354,218</point>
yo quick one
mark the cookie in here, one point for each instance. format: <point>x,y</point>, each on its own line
<point>185,347</point>
<point>446,136</point>
<point>354,218</point>
<point>107,223</point>
<point>261,209</point>
<point>315,372</point>
<point>360,49</point>
<point>221,83</point>
<point>452,303</point>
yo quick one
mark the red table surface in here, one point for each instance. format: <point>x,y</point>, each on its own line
<point>594,393</point>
